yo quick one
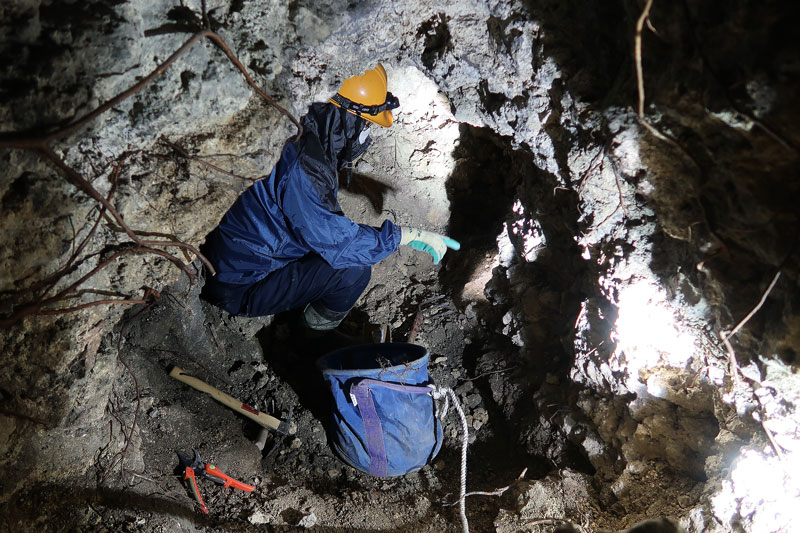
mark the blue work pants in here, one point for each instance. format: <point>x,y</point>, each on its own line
<point>333,292</point>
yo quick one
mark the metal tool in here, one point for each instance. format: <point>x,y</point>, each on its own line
<point>252,413</point>
<point>277,441</point>
<point>193,466</point>
<point>382,333</point>
<point>426,306</point>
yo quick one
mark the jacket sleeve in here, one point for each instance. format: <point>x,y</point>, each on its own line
<point>339,240</point>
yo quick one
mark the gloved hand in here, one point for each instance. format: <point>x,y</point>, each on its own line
<point>428,241</point>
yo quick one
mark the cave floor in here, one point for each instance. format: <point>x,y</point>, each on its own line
<point>298,481</point>
<point>134,482</point>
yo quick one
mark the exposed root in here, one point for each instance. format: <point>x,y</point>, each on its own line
<point>42,304</point>
<point>747,318</point>
<point>386,367</point>
<point>638,55</point>
<point>34,299</point>
<point>734,367</point>
<point>640,88</point>
<point>501,371</point>
<point>496,492</point>
<point>128,431</point>
<point>186,155</point>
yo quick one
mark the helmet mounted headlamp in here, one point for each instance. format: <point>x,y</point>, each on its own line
<point>360,109</point>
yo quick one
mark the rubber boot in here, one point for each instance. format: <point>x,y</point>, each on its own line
<point>320,335</point>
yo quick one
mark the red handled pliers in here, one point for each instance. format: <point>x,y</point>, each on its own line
<point>193,466</point>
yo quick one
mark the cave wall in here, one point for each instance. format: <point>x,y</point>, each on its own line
<point>61,61</point>
<point>679,238</point>
<point>622,256</point>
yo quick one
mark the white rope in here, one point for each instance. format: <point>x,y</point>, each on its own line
<point>442,412</point>
<point>446,393</point>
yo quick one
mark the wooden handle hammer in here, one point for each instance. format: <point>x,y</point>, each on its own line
<point>260,418</point>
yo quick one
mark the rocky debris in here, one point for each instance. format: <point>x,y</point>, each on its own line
<point>259,518</point>
<point>560,498</point>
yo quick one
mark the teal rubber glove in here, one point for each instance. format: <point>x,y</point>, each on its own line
<point>428,241</point>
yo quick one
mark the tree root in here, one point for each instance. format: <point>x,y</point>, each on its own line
<point>734,367</point>
<point>36,299</point>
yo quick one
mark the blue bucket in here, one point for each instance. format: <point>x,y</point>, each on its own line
<point>383,421</point>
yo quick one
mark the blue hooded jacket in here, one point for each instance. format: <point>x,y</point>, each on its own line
<point>294,211</point>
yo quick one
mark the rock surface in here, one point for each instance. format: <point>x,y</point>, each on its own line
<point>581,323</point>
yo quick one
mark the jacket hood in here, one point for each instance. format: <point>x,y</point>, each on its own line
<point>324,120</point>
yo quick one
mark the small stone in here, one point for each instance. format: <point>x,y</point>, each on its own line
<point>309,520</point>
<point>440,360</point>
<point>473,400</point>
<point>259,518</point>
<point>470,311</point>
<point>439,465</point>
<point>464,388</point>
<point>296,443</point>
<point>477,424</point>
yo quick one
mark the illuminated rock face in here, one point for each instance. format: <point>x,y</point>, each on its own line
<point>621,259</point>
<point>665,270</point>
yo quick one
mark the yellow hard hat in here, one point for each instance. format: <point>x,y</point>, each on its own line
<point>366,96</point>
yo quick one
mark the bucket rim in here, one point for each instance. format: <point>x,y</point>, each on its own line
<point>323,367</point>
